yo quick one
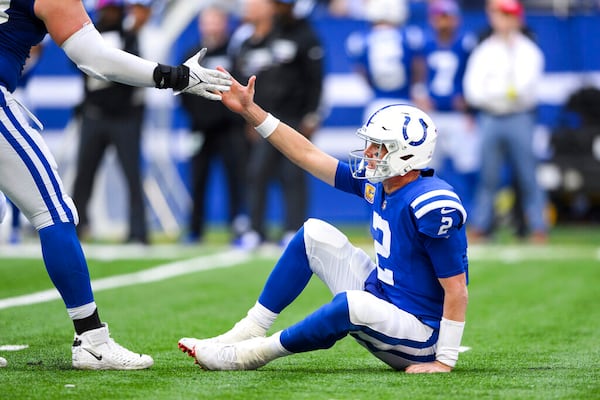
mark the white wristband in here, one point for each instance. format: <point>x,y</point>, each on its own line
<point>268,126</point>
<point>449,341</point>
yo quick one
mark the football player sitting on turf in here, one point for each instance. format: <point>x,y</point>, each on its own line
<point>408,306</point>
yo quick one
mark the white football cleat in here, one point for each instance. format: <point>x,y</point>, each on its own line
<point>247,355</point>
<point>95,349</point>
<point>242,330</point>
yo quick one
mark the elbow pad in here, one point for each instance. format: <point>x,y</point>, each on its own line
<point>88,50</point>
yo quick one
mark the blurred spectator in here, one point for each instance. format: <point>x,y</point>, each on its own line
<point>501,79</point>
<point>288,61</point>
<point>249,50</point>
<point>487,31</point>
<point>445,54</point>
<point>138,14</point>
<point>112,115</point>
<point>218,132</point>
<point>347,8</point>
<point>514,211</point>
<point>384,53</point>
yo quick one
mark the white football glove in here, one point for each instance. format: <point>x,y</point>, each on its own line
<point>203,81</point>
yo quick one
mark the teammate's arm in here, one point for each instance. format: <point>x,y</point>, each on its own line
<point>70,27</point>
<point>289,142</point>
<point>451,328</point>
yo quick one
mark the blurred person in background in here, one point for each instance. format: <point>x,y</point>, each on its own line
<point>217,131</point>
<point>139,13</point>
<point>500,81</point>
<point>112,115</point>
<point>346,8</point>
<point>443,63</point>
<point>515,210</point>
<point>289,60</point>
<point>384,53</point>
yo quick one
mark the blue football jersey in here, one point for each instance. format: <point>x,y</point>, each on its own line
<point>386,56</point>
<point>20,29</point>
<point>446,64</point>
<point>419,236</point>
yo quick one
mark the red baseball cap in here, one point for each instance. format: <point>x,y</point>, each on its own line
<point>511,7</point>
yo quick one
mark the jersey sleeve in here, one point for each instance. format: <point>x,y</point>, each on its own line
<point>438,213</point>
<point>449,256</point>
<point>346,182</point>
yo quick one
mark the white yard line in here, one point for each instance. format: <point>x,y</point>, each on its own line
<point>162,272</point>
<point>228,258</point>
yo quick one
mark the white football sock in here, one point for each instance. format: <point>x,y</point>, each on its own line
<point>262,316</point>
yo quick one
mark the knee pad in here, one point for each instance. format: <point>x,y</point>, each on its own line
<point>317,231</point>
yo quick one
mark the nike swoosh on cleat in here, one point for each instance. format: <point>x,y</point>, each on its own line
<point>97,357</point>
<point>447,210</point>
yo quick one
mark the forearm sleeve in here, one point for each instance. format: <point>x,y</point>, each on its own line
<point>89,51</point>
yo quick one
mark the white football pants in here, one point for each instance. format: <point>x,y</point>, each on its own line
<point>28,171</point>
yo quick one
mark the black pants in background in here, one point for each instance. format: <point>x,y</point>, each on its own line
<point>97,134</point>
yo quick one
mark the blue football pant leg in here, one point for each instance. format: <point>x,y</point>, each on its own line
<point>321,329</point>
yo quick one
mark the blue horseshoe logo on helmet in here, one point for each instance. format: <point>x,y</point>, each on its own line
<point>405,134</point>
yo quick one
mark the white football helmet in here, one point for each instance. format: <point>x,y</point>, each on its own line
<point>407,133</point>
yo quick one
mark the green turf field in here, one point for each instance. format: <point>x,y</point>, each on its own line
<point>533,326</point>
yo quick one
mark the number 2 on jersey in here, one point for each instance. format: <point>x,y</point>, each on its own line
<point>383,248</point>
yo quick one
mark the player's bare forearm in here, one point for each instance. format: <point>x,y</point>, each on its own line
<point>456,297</point>
<point>302,152</point>
<point>288,141</point>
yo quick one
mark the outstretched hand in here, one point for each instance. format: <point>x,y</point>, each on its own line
<point>239,97</point>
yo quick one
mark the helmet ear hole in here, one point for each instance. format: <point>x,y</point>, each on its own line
<point>399,164</point>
